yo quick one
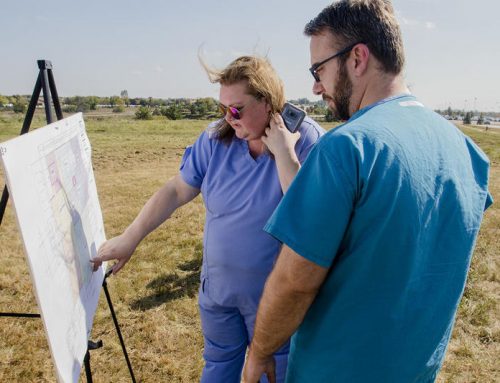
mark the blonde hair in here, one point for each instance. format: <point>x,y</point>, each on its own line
<point>262,82</point>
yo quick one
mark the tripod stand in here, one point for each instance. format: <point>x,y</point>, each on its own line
<point>45,82</point>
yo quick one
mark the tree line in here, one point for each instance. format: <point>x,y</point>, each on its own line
<point>146,108</point>
<point>468,117</point>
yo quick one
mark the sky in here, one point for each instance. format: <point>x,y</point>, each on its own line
<point>150,47</point>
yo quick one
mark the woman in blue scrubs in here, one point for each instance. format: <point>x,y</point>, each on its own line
<point>242,164</point>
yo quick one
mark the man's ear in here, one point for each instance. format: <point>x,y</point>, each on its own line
<point>360,56</point>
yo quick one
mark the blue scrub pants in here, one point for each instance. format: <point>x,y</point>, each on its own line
<point>227,331</point>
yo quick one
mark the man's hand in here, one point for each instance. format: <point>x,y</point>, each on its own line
<point>255,367</point>
<point>290,290</point>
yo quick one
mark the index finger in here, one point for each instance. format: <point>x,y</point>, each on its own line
<point>104,255</point>
<point>278,120</point>
<point>277,117</point>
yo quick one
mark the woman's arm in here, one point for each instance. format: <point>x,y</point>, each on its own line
<point>281,142</point>
<point>157,210</point>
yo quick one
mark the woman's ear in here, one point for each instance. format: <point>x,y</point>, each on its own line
<point>269,108</point>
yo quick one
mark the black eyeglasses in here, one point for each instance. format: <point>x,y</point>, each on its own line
<point>315,67</point>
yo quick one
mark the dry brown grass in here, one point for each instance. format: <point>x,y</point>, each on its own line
<point>474,351</point>
<point>155,295</point>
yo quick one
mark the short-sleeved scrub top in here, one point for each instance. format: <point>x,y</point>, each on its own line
<point>240,193</point>
<point>391,202</point>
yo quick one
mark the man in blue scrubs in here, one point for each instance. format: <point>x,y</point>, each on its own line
<point>379,225</point>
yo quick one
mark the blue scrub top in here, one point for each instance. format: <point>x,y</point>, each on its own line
<point>240,193</point>
<point>391,202</point>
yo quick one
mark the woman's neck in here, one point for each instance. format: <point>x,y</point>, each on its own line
<point>256,147</point>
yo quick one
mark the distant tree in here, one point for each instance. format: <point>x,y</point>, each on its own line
<point>467,118</point>
<point>119,106</point>
<point>124,93</point>
<point>82,104</point>
<point>69,108</point>
<point>199,108</point>
<point>92,102</point>
<point>320,110</point>
<point>3,101</point>
<point>212,106</point>
<point>104,101</point>
<point>20,105</point>
<point>303,101</point>
<point>155,102</point>
<point>79,103</point>
<point>480,120</point>
<point>113,100</point>
<point>172,112</point>
<point>143,113</point>
<point>329,117</point>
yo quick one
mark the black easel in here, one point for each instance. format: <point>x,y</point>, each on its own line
<point>46,82</point>
<point>98,344</point>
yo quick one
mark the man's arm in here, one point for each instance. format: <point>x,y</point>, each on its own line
<point>288,294</point>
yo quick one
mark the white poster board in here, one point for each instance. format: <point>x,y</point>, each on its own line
<point>51,182</point>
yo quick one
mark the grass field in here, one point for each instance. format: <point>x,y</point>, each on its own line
<point>155,295</point>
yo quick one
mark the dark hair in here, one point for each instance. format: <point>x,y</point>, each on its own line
<point>371,21</point>
<point>262,82</point>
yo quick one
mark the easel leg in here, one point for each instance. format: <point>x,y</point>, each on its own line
<point>110,304</point>
<point>88,372</point>
<point>3,202</point>
<point>86,361</point>
<point>26,125</point>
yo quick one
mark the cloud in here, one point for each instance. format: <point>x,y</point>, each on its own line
<point>415,23</point>
<point>406,21</point>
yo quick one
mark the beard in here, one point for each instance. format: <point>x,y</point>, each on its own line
<point>342,95</point>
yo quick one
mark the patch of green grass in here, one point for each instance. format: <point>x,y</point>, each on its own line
<point>488,140</point>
